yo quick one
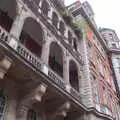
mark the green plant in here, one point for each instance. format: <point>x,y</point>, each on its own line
<point>67,18</point>
<point>77,29</point>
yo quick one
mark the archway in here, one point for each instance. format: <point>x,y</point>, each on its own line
<point>73,75</point>
<point>32,36</point>
<point>7,13</point>
<point>56,58</point>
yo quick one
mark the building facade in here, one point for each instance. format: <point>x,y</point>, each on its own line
<point>113,44</point>
<point>97,69</point>
<point>45,67</point>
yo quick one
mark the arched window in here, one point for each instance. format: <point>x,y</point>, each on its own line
<point>37,2</point>
<point>62,28</point>
<point>7,13</point>
<point>75,44</point>
<point>56,58</point>
<point>2,106</point>
<point>73,75</point>
<point>31,115</point>
<point>70,37</point>
<point>32,36</point>
<point>45,7</point>
<point>55,20</point>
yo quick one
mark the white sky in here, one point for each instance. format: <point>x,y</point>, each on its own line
<point>107,13</point>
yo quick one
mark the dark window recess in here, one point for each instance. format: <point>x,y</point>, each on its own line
<point>75,44</point>
<point>56,66</point>
<point>32,36</point>
<point>45,8</point>
<point>56,59</point>
<point>29,43</point>
<point>73,75</point>
<point>5,21</point>
<point>55,19</point>
<point>62,28</point>
<point>7,13</point>
<point>70,37</point>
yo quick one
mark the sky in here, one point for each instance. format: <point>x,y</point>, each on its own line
<point>107,13</point>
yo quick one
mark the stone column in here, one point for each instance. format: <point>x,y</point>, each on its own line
<point>5,64</point>
<point>26,103</point>
<point>45,52</point>
<point>46,47</point>
<point>18,22</point>
<point>66,71</point>
<point>66,67</point>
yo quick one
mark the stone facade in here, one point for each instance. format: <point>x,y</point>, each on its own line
<point>44,64</point>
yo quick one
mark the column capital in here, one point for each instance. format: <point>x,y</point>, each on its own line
<point>61,111</point>
<point>34,96</point>
<point>5,64</point>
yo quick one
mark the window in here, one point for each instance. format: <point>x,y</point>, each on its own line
<point>100,66</point>
<point>56,58</point>
<point>55,20</point>
<point>70,37</point>
<point>31,115</point>
<point>96,95</point>
<point>2,106</point>
<point>75,44</point>
<point>105,95</point>
<point>113,45</point>
<point>62,28</point>
<point>73,75</point>
<point>32,36</point>
<point>111,36</point>
<point>7,13</point>
<point>45,8</point>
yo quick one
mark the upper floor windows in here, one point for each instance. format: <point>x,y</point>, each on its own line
<point>45,7</point>
<point>62,27</point>
<point>7,13</point>
<point>32,36</point>
<point>56,58</point>
<point>55,20</point>
<point>70,37</point>
<point>37,2</point>
<point>75,44</point>
<point>73,75</point>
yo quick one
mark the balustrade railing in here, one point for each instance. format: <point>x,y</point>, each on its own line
<point>104,109</point>
<point>28,56</point>
<point>75,94</point>
<point>57,79</point>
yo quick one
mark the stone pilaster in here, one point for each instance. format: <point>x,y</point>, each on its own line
<point>86,88</point>
<point>45,51</point>
<point>66,67</point>
<point>19,21</point>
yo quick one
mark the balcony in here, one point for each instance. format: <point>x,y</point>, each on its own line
<point>103,109</point>
<point>21,51</point>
